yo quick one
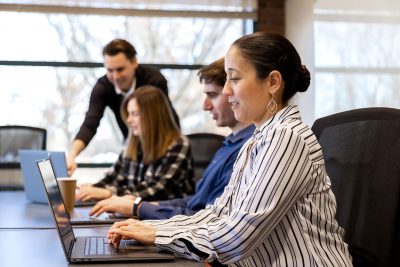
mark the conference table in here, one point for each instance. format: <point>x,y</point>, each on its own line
<point>29,236</point>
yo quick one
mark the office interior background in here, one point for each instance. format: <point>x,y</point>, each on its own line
<point>50,56</point>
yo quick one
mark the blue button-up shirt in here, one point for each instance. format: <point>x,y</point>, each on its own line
<point>211,186</point>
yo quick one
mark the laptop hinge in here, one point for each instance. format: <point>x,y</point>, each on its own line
<point>71,246</point>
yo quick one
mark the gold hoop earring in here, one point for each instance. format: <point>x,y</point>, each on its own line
<point>272,106</point>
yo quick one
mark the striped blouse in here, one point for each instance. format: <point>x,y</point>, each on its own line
<point>277,210</point>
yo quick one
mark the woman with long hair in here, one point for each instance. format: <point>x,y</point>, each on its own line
<point>156,162</point>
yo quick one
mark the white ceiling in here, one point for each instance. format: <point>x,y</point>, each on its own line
<point>247,4</point>
<point>236,9</point>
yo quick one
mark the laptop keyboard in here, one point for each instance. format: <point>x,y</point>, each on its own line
<point>100,246</point>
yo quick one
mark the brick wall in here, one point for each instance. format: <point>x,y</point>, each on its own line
<point>271,16</point>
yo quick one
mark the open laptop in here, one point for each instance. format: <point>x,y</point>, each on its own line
<point>34,190</point>
<point>90,248</point>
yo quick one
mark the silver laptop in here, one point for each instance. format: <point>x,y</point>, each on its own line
<point>90,248</point>
<point>33,186</point>
<point>35,191</point>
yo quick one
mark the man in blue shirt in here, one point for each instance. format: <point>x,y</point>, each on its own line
<point>217,174</point>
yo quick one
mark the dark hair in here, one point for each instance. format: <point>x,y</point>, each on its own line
<point>117,46</point>
<point>271,51</point>
<point>213,73</point>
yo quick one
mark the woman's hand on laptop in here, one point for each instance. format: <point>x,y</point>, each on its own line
<point>86,192</point>
<point>122,205</point>
<point>132,229</point>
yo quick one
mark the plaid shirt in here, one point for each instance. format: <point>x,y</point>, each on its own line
<point>170,176</point>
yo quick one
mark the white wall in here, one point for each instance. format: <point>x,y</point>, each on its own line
<point>299,30</point>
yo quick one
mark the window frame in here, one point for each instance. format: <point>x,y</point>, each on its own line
<point>247,16</point>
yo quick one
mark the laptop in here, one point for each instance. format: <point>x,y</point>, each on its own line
<point>90,248</point>
<point>34,190</point>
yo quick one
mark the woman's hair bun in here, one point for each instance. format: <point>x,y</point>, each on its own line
<point>304,79</point>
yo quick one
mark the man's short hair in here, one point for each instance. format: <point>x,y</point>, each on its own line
<point>117,46</point>
<point>213,73</point>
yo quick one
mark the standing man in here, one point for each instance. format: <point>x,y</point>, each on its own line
<point>124,75</point>
<point>218,172</point>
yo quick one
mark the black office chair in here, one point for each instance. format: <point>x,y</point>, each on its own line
<point>204,146</point>
<point>362,155</point>
<point>15,137</point>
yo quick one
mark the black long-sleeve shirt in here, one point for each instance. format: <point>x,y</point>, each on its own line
<point>104,95</point>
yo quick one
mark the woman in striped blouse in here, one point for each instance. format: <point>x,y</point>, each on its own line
<point>278,208</point>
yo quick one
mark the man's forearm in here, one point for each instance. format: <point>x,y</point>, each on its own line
<point>76,148</point>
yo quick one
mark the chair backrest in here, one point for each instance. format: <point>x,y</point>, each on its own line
<point>204,146</point>
<point>15,137</point>
<point>362,155</point>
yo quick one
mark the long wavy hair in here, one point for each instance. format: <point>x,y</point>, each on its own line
<point>158,127</point>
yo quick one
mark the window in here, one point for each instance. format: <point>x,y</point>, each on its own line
<point>356,56</point>
<point>50,61</point>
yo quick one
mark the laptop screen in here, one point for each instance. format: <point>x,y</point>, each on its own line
<point>33,186</point>
<point>56,203</point>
